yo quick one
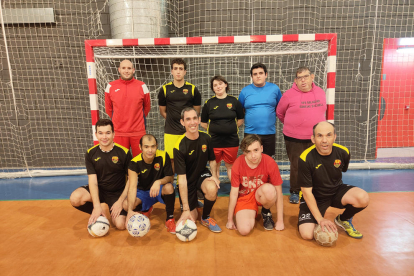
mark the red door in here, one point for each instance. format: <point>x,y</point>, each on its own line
<point>396,105</point>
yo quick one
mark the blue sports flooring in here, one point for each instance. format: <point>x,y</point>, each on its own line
<point>61,187</point>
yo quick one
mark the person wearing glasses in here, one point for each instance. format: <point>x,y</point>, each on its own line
<point>299,109</point>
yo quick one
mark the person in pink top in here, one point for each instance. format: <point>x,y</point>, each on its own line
<point>255,181</point>
<point>127,103</point>
<point>299,109</point>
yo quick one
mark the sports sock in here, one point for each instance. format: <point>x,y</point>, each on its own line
<point>208,205</point>
<point>86,208</point>
<point>265,211</point>
<point>179,197</point>
<point>350,211</point>
<point>169,201</point>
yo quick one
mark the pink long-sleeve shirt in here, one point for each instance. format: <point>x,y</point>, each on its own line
<point>300,111</point>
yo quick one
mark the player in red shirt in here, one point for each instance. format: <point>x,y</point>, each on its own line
<point>255,181</point>
<point>128,102</point>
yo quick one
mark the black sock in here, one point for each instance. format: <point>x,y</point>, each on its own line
<point>179,196</point>
<point>265,211</point>
<point>169,201</point>
<point>208,205</point>
<point>350,211</point>
<point>86,208</point>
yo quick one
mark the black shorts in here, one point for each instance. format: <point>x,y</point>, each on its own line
<point>305,215</point>
<point>108,197</point>
<point>194,186</point>
<point>268,142</point>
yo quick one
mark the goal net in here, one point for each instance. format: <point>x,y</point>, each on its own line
<point>206,57</point>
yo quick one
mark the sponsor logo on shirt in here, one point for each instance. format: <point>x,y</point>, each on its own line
<point>116,90</point>
<point>157,166</point>
<point>191,152</point>
<point>204,148</point>
<point>144,171</point>
<point>185,91</point>
<point>96,160</point>
<point>317,167</point>
<point>115,159</point>
<point>337,163</point>
<point>172,91</point>
<point>215,107</point>
<point>229,105</point>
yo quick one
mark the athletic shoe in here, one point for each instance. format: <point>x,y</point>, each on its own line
<point>200,195</point>
<point>268,222</point>
<point>211,224</point>
<point>200,204</point>
<point>348,227</point>
<point>294,198</point>
<point>148,213</point>
<point>170,225</point>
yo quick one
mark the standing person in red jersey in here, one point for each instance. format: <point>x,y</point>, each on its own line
<point>128,102</point>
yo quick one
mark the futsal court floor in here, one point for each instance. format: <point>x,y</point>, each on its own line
<point>42,234</point>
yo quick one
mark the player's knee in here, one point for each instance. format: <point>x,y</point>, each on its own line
<point>120,224</point>
<point>269,193</point>
<point>363,199</point>
<point>210,189</point>
<point>168,189</point>
<point>306,235</point>
<point>74,200</point>
<point>244,230</point>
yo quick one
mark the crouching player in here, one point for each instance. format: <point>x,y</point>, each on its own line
<point>255,181</point>
<point>151,173</point>
<point>320,176</point>
<point>107,167</point>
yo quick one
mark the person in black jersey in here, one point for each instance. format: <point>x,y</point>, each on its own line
<point>320,176</point>
<point>221,116</point>
<point>107,168</point>
<point>192,152</point>
<point>172,98</point>
<point>151,173</point>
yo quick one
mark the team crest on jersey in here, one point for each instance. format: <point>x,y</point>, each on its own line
<point>157,166</point>
<point>337,163</point>
<point>204,148</point>
<point>185,91</point>
<point>229,105</point>
<point>115,159</point>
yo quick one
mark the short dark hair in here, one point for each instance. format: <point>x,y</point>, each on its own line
<point>147,136</point>
<point>314,127</point>
<point>219,78</point>
<point>178,61</point>
<point>302,69</point>
<point>104,122</point>
<point>248,140</point>
<point>186,109</point>
<point>258,65</point>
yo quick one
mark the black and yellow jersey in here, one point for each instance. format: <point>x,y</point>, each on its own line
<point>111,168</point>
<point>176,99</point>
<point>191,156</point>
<point>323,173</point>
<point>221,116</point>
<point>149,173</point>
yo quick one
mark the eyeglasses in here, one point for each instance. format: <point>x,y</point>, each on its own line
<point>303,77</point>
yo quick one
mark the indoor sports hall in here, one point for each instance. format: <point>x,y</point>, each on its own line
<point>57,58</point>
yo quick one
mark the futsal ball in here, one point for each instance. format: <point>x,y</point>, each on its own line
<point>138,225</point>
<point>186,230</point>
<point>325,238</point>
<point>100,228</point>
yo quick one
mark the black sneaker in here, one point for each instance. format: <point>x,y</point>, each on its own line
<point>268,222</point>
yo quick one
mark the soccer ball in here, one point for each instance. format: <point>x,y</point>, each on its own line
<point>100,228</point>
<point>186,230</point>
<point>138,225</point>
<point>325,238</point>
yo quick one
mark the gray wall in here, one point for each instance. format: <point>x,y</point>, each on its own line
<point>52,126</point>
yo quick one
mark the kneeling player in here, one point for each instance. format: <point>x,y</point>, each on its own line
<point>320,176</point>
<point>255,181</point>
<point>107,167</point>
<point>151,173</point>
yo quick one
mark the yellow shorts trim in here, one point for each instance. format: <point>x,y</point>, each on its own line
<point>169,142</point>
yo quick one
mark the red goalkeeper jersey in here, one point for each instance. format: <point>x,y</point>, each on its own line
<point>127,103</point>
